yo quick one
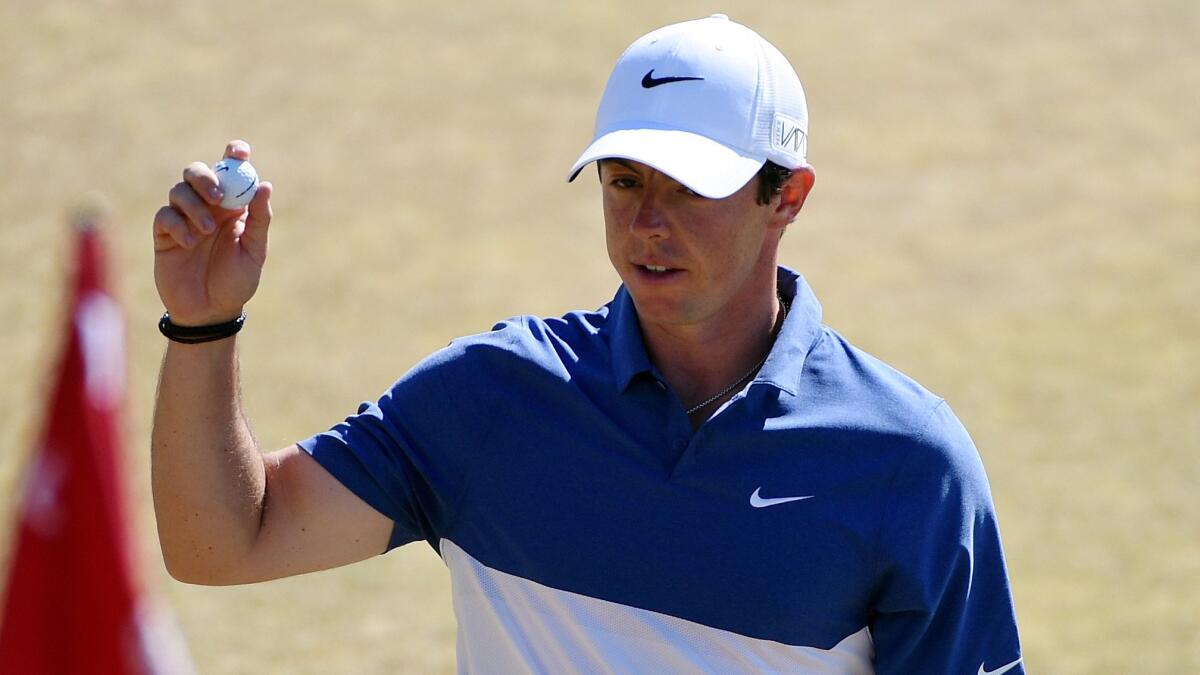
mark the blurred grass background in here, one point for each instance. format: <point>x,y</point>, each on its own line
<point>1007,208</point>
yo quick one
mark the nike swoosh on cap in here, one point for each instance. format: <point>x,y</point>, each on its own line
<point>1001,669</point>
<point>761,502</point>
<point>649,81</point>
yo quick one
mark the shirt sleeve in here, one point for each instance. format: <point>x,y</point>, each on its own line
<point>943,604</point>
<point>403,454</point>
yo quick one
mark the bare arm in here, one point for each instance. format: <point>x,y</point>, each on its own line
<point>226,513</point>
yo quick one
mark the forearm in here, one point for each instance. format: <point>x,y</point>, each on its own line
<point>207,473</point>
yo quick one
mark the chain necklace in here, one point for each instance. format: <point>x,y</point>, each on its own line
<point>743,378</point>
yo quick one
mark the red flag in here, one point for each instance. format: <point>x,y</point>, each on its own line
<point>72,603</point>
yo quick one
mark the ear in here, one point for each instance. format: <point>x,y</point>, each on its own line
<point>792,195</point>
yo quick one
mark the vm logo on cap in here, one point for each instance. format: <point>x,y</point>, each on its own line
<point>788,135</point>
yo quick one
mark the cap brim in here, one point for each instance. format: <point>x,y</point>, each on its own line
<point>700,163</point>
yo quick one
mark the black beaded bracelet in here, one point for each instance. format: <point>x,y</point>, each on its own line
<point>190,335</point>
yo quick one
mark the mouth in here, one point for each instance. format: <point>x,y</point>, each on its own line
<point>653,273</point>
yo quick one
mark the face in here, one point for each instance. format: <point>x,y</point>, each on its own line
<point>684,258</point>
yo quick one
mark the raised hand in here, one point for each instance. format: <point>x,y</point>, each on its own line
<point>208,260</point>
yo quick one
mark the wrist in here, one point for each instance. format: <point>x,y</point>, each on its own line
<point>196,334</point>
<point>210,318</point>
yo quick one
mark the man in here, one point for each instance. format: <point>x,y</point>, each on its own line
<point>698,476</point>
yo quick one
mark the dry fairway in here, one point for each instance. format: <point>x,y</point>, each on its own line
<point>1007,208</point>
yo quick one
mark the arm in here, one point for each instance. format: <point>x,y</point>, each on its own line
<point>944,603</point>
<point>226,514</point>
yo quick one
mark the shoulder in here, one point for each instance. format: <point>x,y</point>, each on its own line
<point>914,428</point>
<point>524,342</point>
<point>943,463</point>
<point>860,390</point>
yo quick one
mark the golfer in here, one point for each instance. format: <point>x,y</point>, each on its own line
<point>698,476</point>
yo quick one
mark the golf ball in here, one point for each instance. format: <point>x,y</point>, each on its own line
<point>238,180</point>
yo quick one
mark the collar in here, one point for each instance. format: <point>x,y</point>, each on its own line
<point>629,357</point>
<point>799,333</point>
<point>797,336</point>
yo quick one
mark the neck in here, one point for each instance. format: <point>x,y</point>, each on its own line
<point>700,359</point>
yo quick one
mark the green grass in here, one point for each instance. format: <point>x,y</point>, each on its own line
<point>1007,208</point>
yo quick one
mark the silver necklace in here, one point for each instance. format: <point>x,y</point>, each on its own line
<point>743,378</point>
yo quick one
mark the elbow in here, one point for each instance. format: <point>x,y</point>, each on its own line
<point>198,557</point>
<point>188,574</point>
<point>194,569</point>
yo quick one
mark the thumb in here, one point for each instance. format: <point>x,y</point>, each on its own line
<point>258,219</point>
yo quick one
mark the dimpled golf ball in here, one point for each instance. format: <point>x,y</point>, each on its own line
<point>239,182</point>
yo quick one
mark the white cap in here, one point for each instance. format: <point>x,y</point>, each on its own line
<point>706,102</point>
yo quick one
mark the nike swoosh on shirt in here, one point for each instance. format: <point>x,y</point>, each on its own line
<point>761,502</point>
<point>649,81</point>
<point>1001,669</point>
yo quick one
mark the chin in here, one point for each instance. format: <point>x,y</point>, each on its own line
<point>656,308</point>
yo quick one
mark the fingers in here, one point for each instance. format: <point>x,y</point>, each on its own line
<point>194,205</point>
<point>254,237</point>
<point>238,149</point>
<point>202,179</point>
<point>170,229</point>
<point>184,199</point>
<point>260,206</point>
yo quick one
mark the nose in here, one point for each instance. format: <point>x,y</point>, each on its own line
<point>648,219</point>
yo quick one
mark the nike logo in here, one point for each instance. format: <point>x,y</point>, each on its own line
<point>649,81</point>
<point>1001,669</point>
<point>759,502</point>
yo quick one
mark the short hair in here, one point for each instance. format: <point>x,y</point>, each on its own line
<point>771,178</point>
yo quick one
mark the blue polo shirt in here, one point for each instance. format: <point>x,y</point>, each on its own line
<point>832,517</point>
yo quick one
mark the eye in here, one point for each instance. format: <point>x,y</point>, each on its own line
<point>623,182</point>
